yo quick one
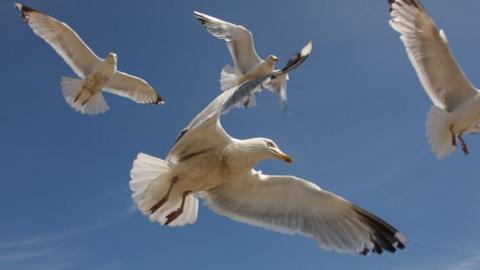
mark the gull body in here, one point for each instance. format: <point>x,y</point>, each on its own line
<point>203,171</point>
<point>207,163</point>
<point>247,64</point>
<point>456,102</point>
<point>94,82</point>
<point>218,165</point>
<point>261,70</point>
<point>466,118</point>
<point>95,74</point>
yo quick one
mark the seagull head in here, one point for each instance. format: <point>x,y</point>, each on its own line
<point>266,149</point>
<point>272,58</point>
<point>112,57</point>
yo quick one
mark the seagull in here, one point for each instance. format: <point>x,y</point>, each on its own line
<point>207,163</point>
<point>456,102</point>
<point>85,94</point>
<point>248,65</point>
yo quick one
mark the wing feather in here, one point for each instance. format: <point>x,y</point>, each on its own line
<point>428,50</point>
<point>292,205</point>
<point>206,125</point>
<point>63,39</point>
<point>132,87</point>
<point>239,41</point>
<point>205,130</point>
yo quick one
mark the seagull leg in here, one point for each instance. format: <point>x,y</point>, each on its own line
<point>165,198</point>
<point>454,140</point>
<point>464,145</point>
<point>175,214</point>
<point>86,100</point>
<point>78,95</point>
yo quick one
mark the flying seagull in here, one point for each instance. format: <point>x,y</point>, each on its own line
<point>248,65</point>
<point>456,103</point>
<point>85,94</point>
<point>206,162</point>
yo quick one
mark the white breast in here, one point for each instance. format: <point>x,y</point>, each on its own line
<point>262,69</point>
<point>466,117</point>
<point>100,75</point>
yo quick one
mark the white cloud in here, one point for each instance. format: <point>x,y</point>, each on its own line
<point>15,256</point>
<point>52,237</point>
<point>469,263</point>
<point>47,251</point>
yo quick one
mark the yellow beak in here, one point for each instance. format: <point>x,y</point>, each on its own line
<point>284,157</point>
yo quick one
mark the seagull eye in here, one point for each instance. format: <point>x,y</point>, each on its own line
<point>270,144</point>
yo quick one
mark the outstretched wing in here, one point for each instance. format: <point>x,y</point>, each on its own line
<point>132,87</point>
<point>239,41</point>
<point>205,131</point>
<point>298,58</point>
<point>198,139</point>
<point>278,83</point>
<point>63,39</point>
<point>428,50</point>
<point>292,205</point>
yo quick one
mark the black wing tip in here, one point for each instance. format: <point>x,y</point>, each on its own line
<point>24,10</point>
<point>158,101</point>
<point>384,237</point>
<point>200,17</point>
<point>390,5</point>
<point>298,58</point>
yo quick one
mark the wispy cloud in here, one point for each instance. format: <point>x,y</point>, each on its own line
<point>59,260</point>
<point>47,259</point>
<point>469,263</point>
<point>48,250</point>
<point>52,237</point>
<point>466,248</point>
<point>43,238</point>
<point>24,255</point>
<point>447,257</point>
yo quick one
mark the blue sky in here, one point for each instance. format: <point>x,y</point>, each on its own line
<point>356,127</point>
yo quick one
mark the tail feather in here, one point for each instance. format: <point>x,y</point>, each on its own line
<point>229,77</point>
<point>96,104</point>
<point>150,180</point>
<point>75,97</point>
<point>438,132</point>
<point>251,101</point>
<point>70,88</point>
<point>279,86</point>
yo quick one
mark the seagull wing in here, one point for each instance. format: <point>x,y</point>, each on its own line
<point>278,83</point>
<point>428,50</point>
<point>239,41</point>
<point>206,126</point>
<point>204,132</point>
<point>132,87</point>
<point>298,58</point>
<point>63,39</point>
<point>292,205</point>
<point>198,139</point>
